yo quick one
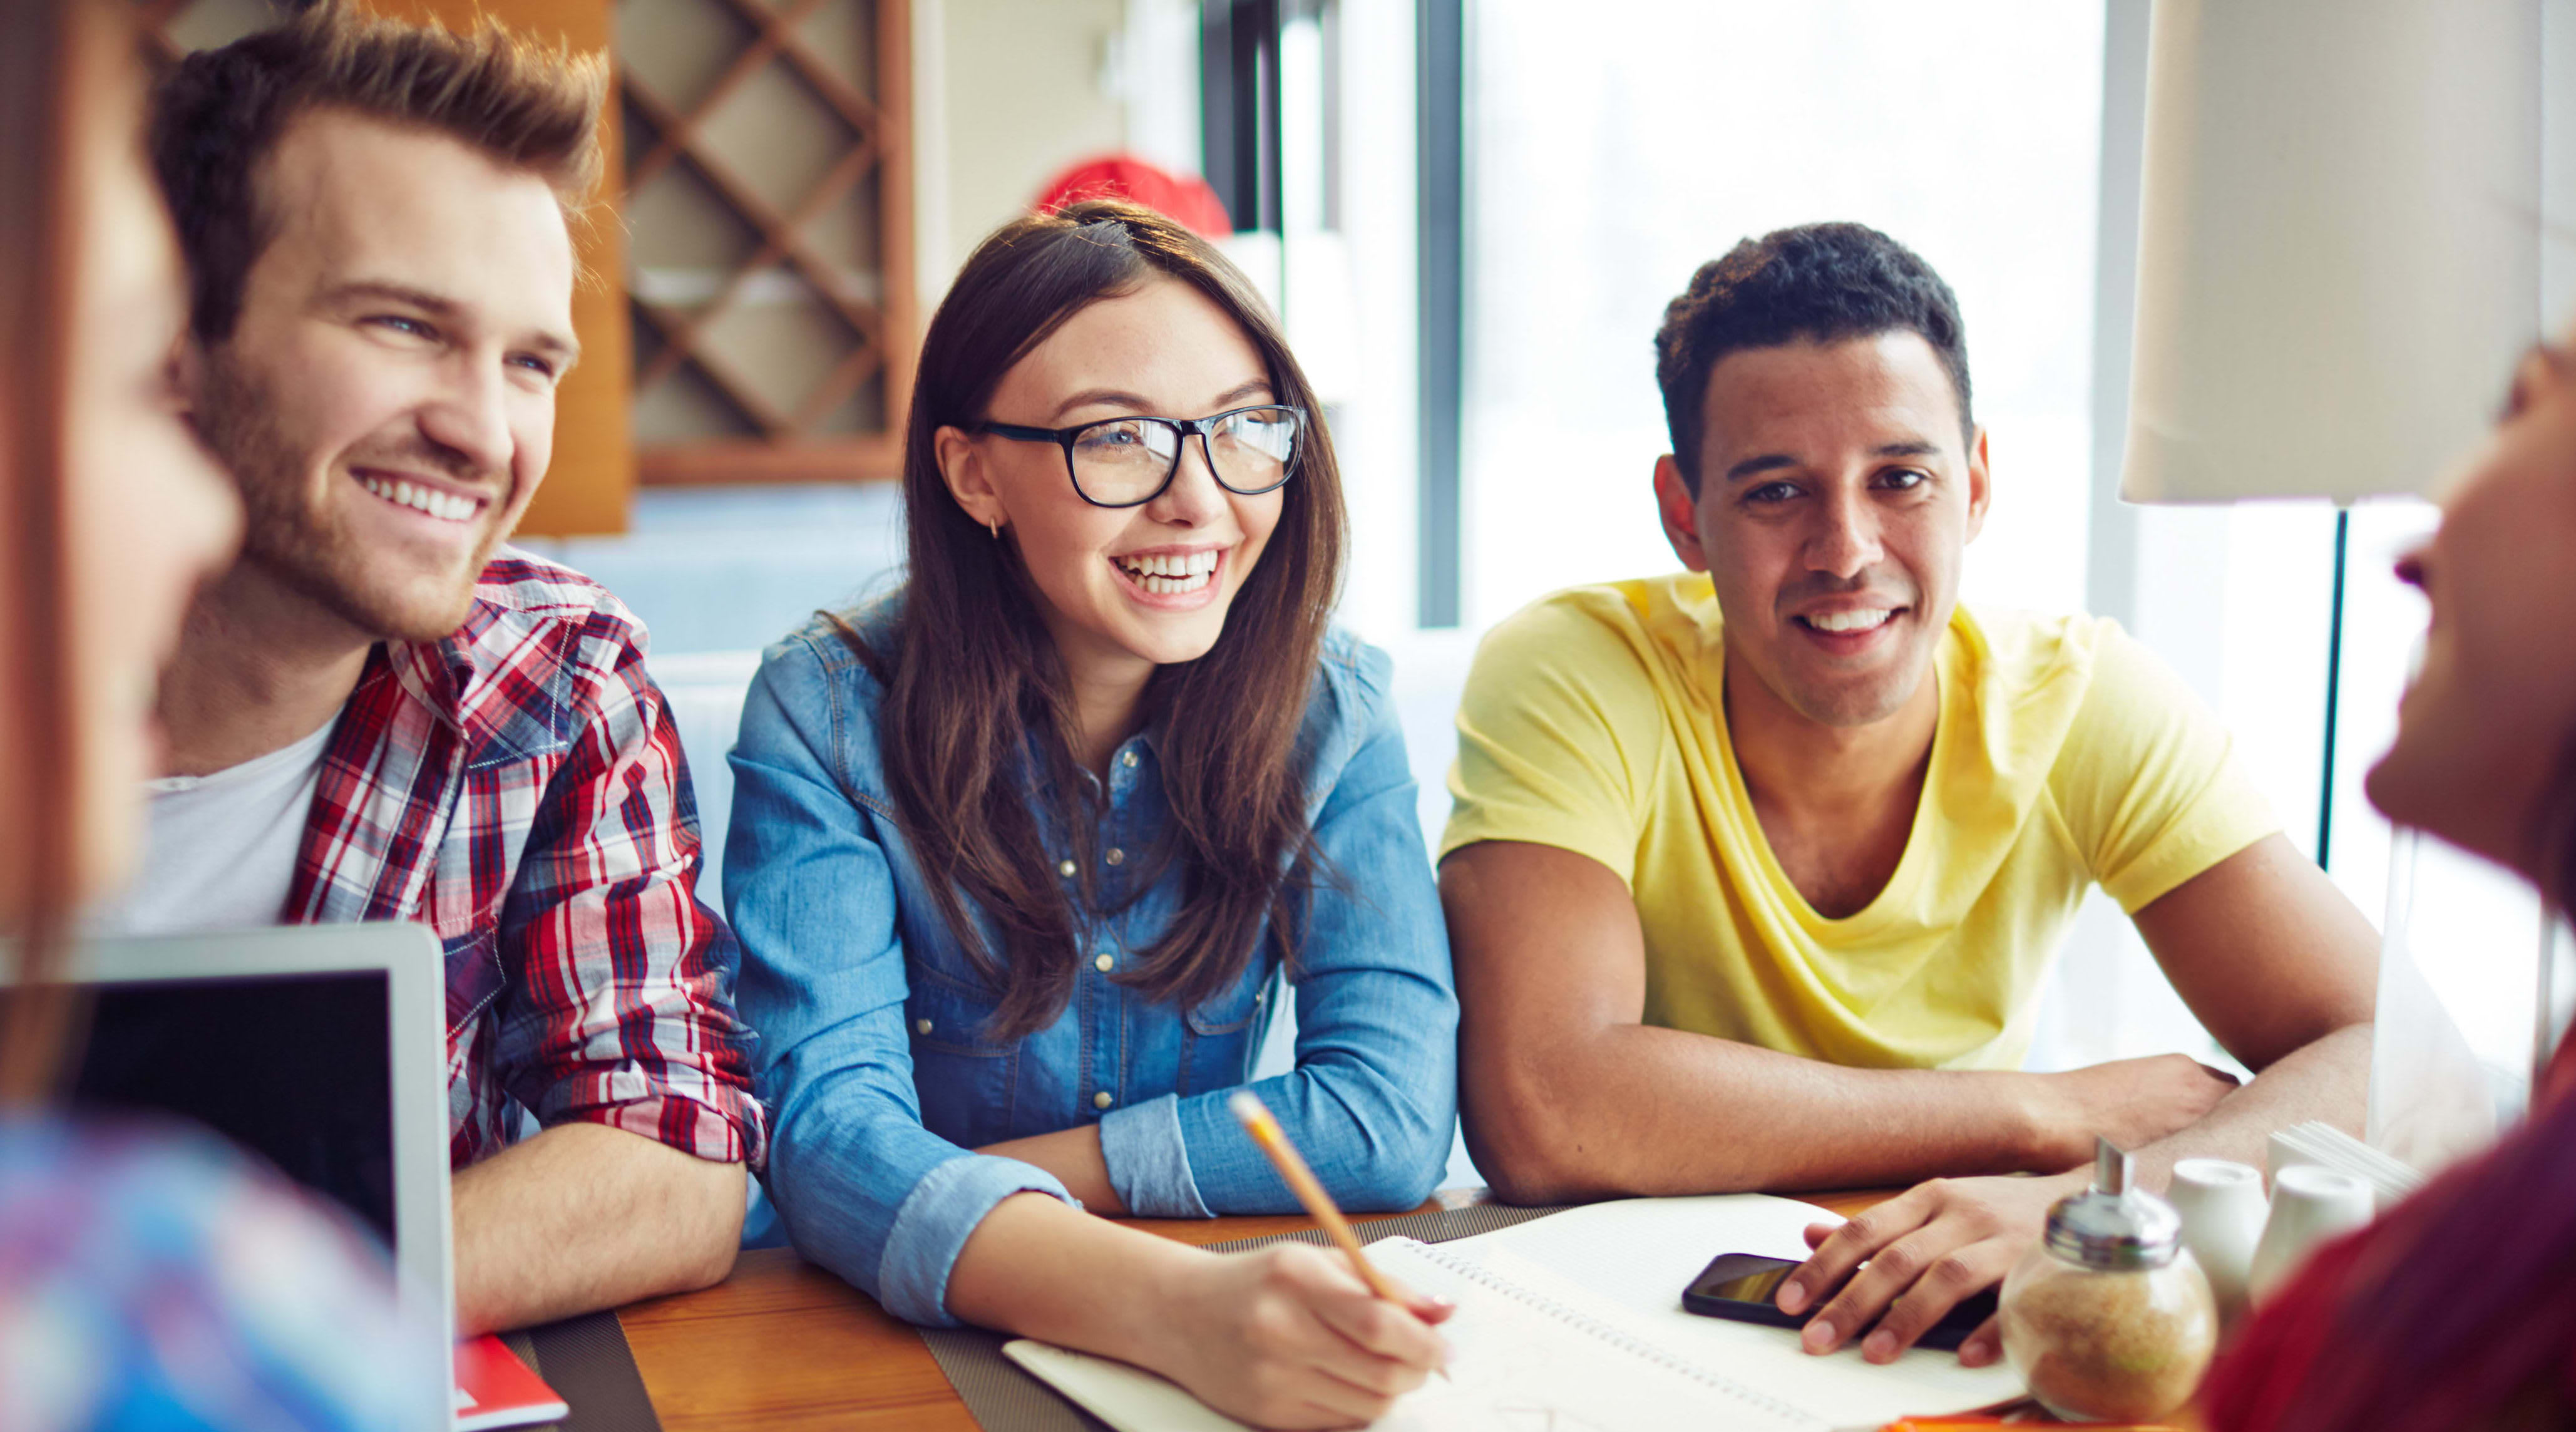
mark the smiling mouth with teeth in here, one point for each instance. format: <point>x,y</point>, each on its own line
<point>1847,623</point>
<point>1170,575</point>
<point>446,507</point>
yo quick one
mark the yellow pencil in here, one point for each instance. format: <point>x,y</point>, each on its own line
<point>1264,1128</point>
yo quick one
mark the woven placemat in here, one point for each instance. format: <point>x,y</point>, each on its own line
<point>587,1362</point>
<point>1004,1399</point>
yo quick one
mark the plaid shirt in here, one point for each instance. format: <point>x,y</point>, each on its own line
<point>519,788</point>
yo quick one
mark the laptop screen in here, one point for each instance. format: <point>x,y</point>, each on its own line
<point>295,1068</point>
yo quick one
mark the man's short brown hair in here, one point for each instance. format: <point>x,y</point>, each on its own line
<point>218,113</point>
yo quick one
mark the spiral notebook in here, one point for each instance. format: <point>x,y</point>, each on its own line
<point>1573,1323</point>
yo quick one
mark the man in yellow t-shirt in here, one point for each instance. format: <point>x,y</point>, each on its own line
<point>1755,871</point>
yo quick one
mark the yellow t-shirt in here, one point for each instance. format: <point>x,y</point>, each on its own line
<point>2065,754</point>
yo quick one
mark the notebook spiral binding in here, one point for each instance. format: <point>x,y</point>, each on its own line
<point>1477,1272</point>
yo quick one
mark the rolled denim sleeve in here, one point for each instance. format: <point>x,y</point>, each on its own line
<point>1373,1100</point>
<point>861,1186</point>
<point>1149,1160</point>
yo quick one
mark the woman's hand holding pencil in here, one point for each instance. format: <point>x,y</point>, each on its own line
<point>1264,1128</point>
<point>1289,1336</point>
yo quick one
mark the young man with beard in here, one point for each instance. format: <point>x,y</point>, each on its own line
<point>380,713</point>
<point>1756,871</point>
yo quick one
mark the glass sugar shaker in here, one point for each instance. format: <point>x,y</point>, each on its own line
<point>2108,1319</point>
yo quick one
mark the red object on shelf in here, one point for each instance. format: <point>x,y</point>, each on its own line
<point>1184,198</point>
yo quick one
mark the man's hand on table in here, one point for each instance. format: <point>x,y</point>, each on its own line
<point>2131,1102</point>
<point>1933,1247</point>
<point>1927,1250</point>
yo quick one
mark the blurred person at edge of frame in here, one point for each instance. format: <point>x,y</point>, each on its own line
<point>2455,1309</point>
<point>149,1278</point>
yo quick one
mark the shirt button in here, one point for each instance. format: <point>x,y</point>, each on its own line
<point>1115,856</point>
<point>1127,758</point>
<point>1104,964</point>
<point>1065,869</point>
<point>921,1026</point>
<point>1102,1100</point>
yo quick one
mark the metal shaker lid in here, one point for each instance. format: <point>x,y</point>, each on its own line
<point>2112,1227</point>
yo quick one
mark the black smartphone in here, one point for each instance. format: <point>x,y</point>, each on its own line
<point>1741,1286</point>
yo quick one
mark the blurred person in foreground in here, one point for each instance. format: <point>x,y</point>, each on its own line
<point>149,1277</point>
<point>2455,1310</point>
<point>381,713</point>
<point>1757,870</point>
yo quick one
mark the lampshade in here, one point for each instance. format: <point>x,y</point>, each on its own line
<point>2338,256</point>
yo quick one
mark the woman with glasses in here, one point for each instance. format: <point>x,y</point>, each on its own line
<point>1022,853</point>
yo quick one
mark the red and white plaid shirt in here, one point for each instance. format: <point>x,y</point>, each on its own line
<point>519,788</point>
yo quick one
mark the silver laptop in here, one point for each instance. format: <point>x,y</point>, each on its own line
<point>323,1049</point>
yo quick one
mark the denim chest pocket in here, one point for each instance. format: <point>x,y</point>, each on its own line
<point>963,1079</point>
<point>1222,1036</point>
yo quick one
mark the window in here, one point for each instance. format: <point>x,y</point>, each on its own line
<point>1608,159</point>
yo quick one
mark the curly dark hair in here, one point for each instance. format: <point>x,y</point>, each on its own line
<point>1816,283</point>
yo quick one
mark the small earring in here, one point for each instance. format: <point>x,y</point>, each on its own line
<point>995,528</point>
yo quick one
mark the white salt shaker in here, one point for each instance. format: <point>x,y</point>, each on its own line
<point>2222,1208</point>
<point>2310,1206</point>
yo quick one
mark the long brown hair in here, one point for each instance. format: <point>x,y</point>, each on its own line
<point>974,688</point>
<point>50,52</point>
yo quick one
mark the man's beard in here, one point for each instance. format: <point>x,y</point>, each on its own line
<point>289,532</point>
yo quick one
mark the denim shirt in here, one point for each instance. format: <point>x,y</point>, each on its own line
<point>872,1061</point>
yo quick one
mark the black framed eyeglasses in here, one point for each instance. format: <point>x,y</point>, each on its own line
<point>1127,462</point>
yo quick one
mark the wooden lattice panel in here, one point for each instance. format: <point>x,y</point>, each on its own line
<point>769,222</point>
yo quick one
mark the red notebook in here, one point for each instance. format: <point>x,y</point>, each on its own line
<point>495,1389</point>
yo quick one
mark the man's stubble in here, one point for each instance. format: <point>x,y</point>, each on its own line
<point>288,531</point>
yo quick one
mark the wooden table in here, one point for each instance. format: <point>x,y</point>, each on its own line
<point>783,1344</point>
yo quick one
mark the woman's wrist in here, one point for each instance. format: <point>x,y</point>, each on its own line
<point>1154,1313</point>
<point>1046,1270</point>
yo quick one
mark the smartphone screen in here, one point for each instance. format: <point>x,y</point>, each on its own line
<point>1741,1286</point>
<point>1743,1278</point>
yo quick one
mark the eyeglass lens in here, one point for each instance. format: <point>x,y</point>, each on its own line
<point>1126,460</point>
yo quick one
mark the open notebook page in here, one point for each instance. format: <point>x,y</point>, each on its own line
<point>1627,1262</point>
<point>1582,1331</point>
<point>1514,1367</point>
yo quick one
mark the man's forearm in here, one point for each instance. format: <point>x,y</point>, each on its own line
<point>1568,1093</point>
<point>2327,1079</point>
<point>1637,1109</point>
<point>584,1217</point>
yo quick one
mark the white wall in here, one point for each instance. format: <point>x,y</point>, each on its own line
<point>1013,92</point>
